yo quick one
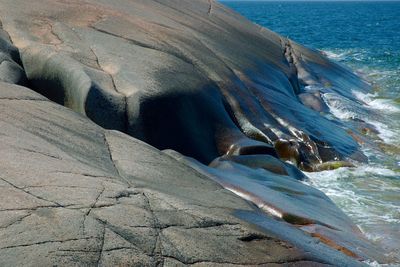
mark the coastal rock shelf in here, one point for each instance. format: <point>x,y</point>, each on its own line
<point>158,133</point>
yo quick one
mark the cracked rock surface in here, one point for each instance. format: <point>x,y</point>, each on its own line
<point>74,193</point>
<point>91,92</point>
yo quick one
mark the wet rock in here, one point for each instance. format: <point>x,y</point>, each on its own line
<point>389,148</point>
<point>288,150</point>
<point>314,101</point>
<point>332,165</point>
<point>279,195</point>
<point>251,147</point>
<point>286,231</point>
<point>292,204</point>
<point>266,162</point>
<point>349,243</point>
<point>176,75</point>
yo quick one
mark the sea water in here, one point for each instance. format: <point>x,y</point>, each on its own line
<point>364,36</point>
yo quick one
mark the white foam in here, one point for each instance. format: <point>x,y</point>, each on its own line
<point>373,263</point>
<point>343,108</point>
<point>312,87</point>
<point>342,54</point>
<point>364,97</point>
<point>357,191</point>
<point>360,171</point>
<point>342,114</point>
<point>387,109</point>
<point>335,56</point>
<point>377,264</point>
<point>380,104</point>
<point>384,105</point>
<point>368,193</point>
<point>388,135</point>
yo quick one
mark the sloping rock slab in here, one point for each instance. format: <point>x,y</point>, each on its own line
<point>176,74</point>
<point>192,76</point>
<point>292,204</point>
<point>73,193</point>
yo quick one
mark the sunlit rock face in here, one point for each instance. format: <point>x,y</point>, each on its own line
<point>230,102</point>
<point>188,75</point>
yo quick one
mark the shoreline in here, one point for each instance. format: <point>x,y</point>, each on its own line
<point>85,171</point>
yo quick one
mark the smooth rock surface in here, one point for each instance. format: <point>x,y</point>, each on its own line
<point>290,202</point>
<point>73,193</point>
<point>192,76</point>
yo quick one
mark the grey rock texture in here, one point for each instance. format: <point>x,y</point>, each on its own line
<point>192,76</point>
<point>88,185</point>
<point>73,193</point>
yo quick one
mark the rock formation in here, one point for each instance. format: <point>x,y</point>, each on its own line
<point>79,188</point>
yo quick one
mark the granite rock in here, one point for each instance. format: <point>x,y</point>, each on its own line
<point>91,91</point>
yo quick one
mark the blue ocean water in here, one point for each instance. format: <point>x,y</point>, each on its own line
<point>364,36</point>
